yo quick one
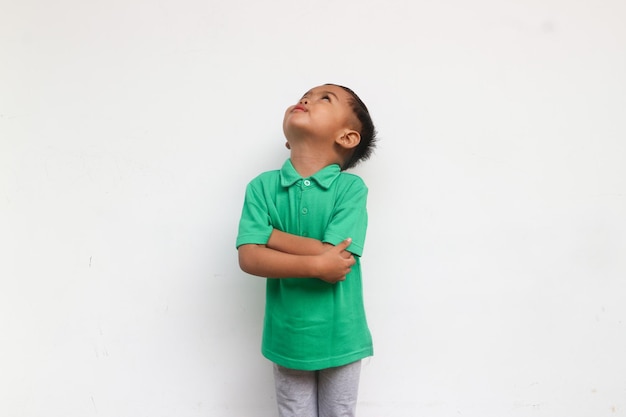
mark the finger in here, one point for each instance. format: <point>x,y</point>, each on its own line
<point>343,245</point>
<point>338,279</point>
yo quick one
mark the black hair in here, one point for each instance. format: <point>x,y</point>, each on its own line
<point>368,132</point>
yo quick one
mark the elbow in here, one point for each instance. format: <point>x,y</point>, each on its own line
<point>246,258</point>
<point>243,262</point>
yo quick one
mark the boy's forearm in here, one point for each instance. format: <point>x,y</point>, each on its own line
<point>331,265</point>
<point>296,245</point>
<point>263,261</point>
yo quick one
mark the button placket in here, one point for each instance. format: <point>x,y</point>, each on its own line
<point>305,183</point>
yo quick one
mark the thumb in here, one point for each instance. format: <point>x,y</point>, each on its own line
<point>343,245</point>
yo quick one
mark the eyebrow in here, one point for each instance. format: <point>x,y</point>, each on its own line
<point>308,93</point>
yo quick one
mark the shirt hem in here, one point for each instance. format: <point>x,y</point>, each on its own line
<point>305,365</point>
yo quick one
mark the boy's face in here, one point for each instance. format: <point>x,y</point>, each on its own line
<point>324,112</point>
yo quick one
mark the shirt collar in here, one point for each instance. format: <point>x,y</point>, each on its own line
<point>324,177</point>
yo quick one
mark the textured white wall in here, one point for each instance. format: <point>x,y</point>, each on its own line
<point>495,266</point>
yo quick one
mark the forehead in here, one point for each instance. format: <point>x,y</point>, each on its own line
<point>339,92</point>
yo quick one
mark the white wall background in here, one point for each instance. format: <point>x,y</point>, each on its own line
<point>495,266</point>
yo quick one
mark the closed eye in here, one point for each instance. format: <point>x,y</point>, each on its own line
<point>328,95</point>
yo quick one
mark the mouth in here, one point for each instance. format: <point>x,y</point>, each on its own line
<point>299,107</point>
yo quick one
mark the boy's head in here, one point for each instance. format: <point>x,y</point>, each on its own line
<point>367,130</point>
<point>332,118</point>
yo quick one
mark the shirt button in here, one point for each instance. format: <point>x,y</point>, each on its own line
<point>305,210</point>
<point>307,183</point>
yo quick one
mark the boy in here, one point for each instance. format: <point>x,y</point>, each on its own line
<point>303,227</point>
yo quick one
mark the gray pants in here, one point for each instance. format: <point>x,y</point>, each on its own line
<point>329,392</point>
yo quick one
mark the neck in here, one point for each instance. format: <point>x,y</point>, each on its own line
<point>308,163</point>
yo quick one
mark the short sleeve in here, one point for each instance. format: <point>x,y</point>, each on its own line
<point>350,216</point>
<point>254,225</point>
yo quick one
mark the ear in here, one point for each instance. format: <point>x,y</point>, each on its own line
<point>349,140</point>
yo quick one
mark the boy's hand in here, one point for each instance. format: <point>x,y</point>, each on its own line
<point>336,262</point>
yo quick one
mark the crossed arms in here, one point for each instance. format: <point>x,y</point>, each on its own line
<point>291,256</point>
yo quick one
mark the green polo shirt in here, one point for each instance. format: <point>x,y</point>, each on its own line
<point>311,324</point>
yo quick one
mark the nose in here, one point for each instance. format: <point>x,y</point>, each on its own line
<point>304,101</point>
